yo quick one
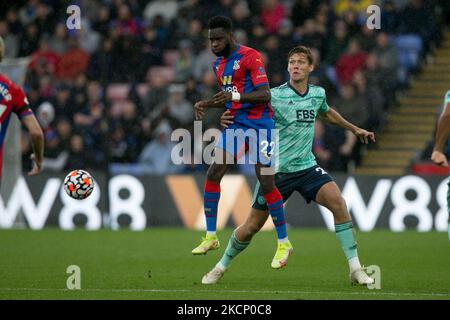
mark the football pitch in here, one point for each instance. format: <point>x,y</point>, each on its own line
<point>157,264</point>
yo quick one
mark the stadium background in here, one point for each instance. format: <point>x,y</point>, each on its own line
<point>109,95</point>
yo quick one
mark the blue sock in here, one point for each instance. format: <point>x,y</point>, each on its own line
<point>234,247</point>
<point>211,202</point>
<point>274,202</point>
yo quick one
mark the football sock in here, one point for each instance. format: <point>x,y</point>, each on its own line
<point>211,202</point>
<point>345,234</point>
<point>234,247</point>
<point>274,202</point>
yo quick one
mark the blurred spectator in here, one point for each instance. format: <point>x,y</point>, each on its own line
<point>156,156</point>
<point>319,75</point>
<point>311,37</point>
<point>62,103</point>
<point>44,19</point>
<point>203,62</point>
<point>350,62</point>
<point>44,60</point>
<point>102,22</point>
<point>185,62</point>
<point>275,66</point>
<point>29,41</point>
<point>303,10</point>
<point>78,157</point>
<point>240,14</point>
<point>58,41</point>
<point>352,106</point>
<point>166,8</point>
<point>126,24</point>
<point>337,43</point>
<point>10,40</point>
<point>73,62</point>
<point>157,94</point>
<point>100,63</point>
<point>388,66</point>
<point>272,15</point>
<point>194,34</point>
<point>180,111</point>
<point>390,17</point>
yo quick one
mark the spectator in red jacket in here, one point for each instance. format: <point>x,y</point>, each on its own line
<point>73,62</point>
<point>272,15</point>
<point>351,61</point>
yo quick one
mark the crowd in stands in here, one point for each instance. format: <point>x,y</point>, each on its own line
<point>111,93</point>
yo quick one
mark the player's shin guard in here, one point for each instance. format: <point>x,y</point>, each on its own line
<point>234,247</point>
<point>211,202</point>
<point>345,234</point>
<point>274,202</point>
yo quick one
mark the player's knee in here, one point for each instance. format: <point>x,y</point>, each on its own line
<point>338,205</point>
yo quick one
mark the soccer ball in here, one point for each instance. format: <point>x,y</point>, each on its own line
<point>79,184</point>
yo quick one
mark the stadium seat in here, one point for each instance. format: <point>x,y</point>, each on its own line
<point>409,47</point>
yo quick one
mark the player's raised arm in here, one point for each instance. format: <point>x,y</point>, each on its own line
<point>37,140</point>
<point>442,134</point>
<point>333,117</point>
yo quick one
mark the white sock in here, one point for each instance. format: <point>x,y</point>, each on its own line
<point>354,264</point>
<point>210,233</point>
<point>284,240</point>
<point>221,266</point>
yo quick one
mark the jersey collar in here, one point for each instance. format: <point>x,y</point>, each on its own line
<point>295,90</point>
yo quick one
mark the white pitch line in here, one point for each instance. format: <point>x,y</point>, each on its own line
<point>373,293</point>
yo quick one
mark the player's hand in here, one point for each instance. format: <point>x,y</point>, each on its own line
<point>37,166</point>
<point>199,109</point>
<point>226,118</point>
<point>364,135</point>
<point>222,97</point>
<point>439,158</point>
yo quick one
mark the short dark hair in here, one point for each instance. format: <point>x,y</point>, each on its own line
<point>220,22</point>
<point>304,50</point>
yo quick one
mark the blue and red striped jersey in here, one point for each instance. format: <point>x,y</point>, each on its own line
<point>243,71</point>
<point>12,99</point>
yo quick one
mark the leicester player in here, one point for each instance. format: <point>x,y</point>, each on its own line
<point>13,99</point>
<point>296,105</point>
<point>442,135</point>
<point>245,93</point>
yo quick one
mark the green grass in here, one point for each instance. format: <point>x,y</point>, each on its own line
<point>116,265</point>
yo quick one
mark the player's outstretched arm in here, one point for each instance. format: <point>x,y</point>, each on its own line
<point>333,117</point>
<point>442,134</point>
<point>37,140</point>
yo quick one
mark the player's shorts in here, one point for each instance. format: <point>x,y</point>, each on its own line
<point>307,182</point>
<point>254,136</point>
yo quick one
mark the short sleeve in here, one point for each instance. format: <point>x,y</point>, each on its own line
<point>324,106</point>
<point>257,70</point>
<point>21,105</point>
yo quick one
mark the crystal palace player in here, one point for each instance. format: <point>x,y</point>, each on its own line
<point>13,99</point>
<point>245,92</point>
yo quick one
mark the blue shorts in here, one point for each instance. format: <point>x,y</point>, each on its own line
<point>307,182</point>
<point>254,136</point>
